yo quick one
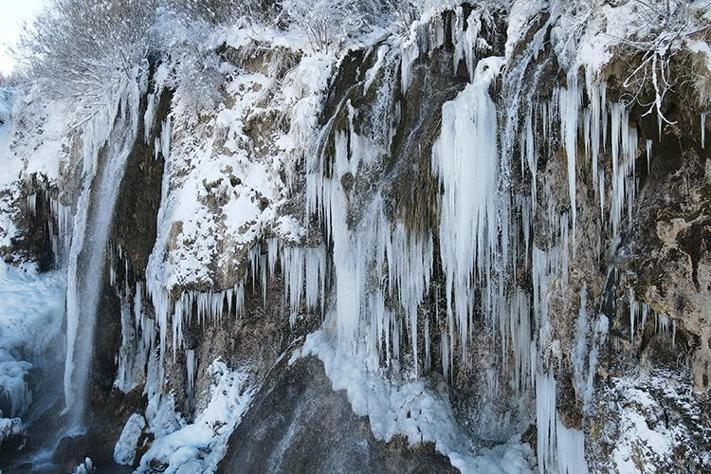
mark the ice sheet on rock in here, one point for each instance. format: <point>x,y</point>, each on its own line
<point>415,410</point>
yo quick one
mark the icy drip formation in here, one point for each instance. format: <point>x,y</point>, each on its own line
<point>640,313</point>
<point>108,140</point>
<point>429,33</point>
<point>623,142</point>
<point>570,98</point>
<point>380,273</point>
<point>303,271</point>
<point>466,39</point>
<point>558,445</point>
<point>361,252</point>
<point>465,158</point>
<point>136,338</point>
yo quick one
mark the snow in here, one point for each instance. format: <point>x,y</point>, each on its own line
<point>520,16</point>
<point>700,47</point>
<point>10,428</point>
<point>231,171</point>
<point>647,436</point>
<point>222,186</point>
<point>85,467</point>
<point>125,450</point>
<point>199,447</point>
<point>570,101</point>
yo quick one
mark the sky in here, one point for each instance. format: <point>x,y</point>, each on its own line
<point>12,15</point>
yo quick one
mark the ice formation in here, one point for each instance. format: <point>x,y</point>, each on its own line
<point>287,182</point>
<point>30,325</point>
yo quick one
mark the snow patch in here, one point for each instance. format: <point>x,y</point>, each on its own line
<point>200,446</point>
<point>125,450</point>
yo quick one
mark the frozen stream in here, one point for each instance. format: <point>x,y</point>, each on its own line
<point>31,312</point>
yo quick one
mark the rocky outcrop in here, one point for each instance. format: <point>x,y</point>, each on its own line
<point>297,423</point>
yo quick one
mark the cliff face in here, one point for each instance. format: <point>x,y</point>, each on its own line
<point>483,243</point>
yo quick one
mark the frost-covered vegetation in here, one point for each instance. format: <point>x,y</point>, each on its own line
<point>80,48</point>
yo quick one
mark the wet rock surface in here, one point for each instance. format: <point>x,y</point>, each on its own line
<point>297,423</point>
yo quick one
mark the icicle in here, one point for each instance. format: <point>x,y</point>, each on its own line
<point>32,204</point>
<point>703,129</point>
<point>165,136</point>
<point>648,148</point>
<point>410,54</point>
<point>599,335</point>
<point>190,365</point>
<point>570,450</point>
<point>673,333</point>
<point>292,266</point>
<point>465,40</point>
<point>468,227</point>
<point>634,307</point>
<point>531,159</point>
<point>427,343</point>
<point>570,99</point>
<point>595,127</point>
<point>602,195</point>
<point>239,298</point>
<point>444,344</point>
<point>149,117</point>
<point>545,420</point>
<point>520,328</point>
<point>662,324</point>
<point>580,347</point>
<point>624,154</point>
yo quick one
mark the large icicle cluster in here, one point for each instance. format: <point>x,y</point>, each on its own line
<point>381,273</point>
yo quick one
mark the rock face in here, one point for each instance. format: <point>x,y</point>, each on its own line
<point>297,423</point>
<point>468,229</point>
